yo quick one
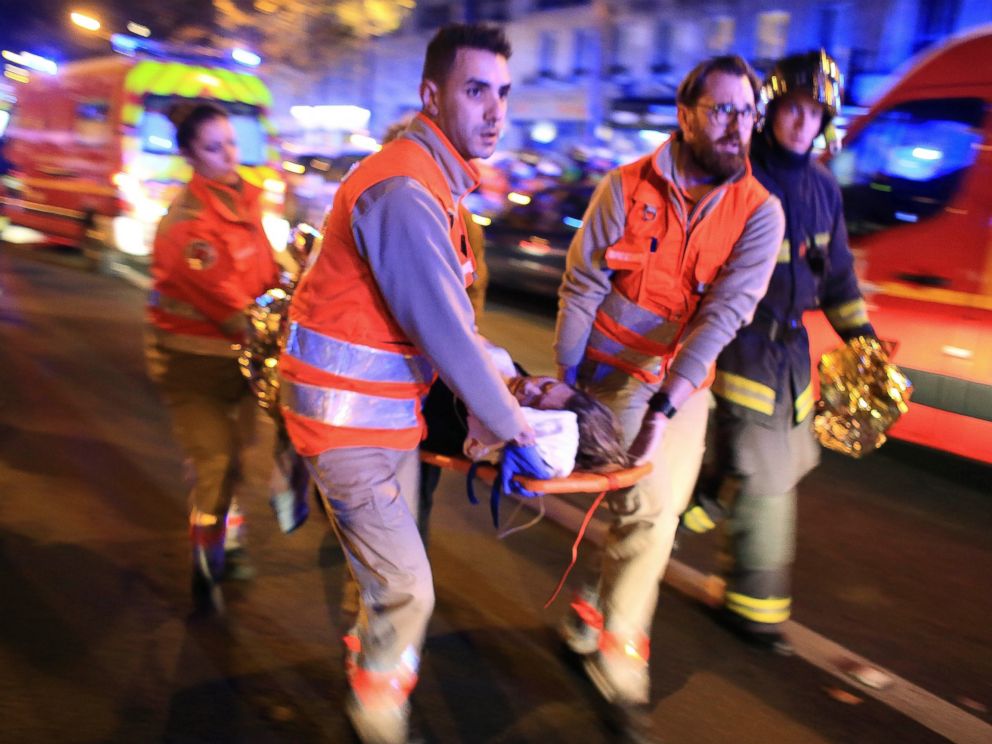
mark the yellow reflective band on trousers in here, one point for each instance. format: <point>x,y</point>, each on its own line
<point>697,520</point>
<point>772,610</point>
<point>355,361</point>
<point>346,408</point>
<point>849,315</point>
<point>744,392</point>
<point>804,403</point>
<point>785,252</point>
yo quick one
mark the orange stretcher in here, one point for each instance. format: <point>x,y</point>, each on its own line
<point>576,482</point>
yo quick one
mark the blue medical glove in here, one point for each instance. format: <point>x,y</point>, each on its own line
<point>517,460</point>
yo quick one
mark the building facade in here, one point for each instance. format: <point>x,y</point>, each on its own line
<point>582,67</point>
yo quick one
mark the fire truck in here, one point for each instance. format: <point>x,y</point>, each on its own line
<point>94,156</point>
<point>916,174</point>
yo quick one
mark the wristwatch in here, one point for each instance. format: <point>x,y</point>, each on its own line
<point>660,403</point>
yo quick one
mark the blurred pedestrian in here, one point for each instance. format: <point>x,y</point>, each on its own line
<point>381,308</point>
<point>674,252</point>
<point>211,259</point>
<point>763,436</point>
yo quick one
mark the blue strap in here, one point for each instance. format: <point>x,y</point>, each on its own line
<point>470,484</point>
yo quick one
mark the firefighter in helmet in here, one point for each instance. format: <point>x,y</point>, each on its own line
<point>763,436</point>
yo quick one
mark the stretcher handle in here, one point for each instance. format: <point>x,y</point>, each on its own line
<point>576,482</point>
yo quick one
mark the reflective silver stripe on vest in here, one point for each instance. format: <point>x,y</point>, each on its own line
<point>641,321</point>
<point>355,361</point>
<point>642,360</point>
<point>347,408</point>
<point>175,307</point>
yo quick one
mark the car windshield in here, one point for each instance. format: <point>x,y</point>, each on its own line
<point>908,163</point>
<point>158,136</point>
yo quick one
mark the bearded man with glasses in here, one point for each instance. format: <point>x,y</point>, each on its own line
<point>673,255</point>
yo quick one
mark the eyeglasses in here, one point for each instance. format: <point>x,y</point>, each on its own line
<point>721,113</point>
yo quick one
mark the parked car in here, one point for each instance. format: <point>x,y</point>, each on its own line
<point>311,182</point>
<point>527,243</point>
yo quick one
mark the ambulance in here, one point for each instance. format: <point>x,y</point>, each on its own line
<point>94,155</point>
<point>916,175</point>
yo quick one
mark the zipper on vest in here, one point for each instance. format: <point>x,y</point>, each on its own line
<point>692,221</point>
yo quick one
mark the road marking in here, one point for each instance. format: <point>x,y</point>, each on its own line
<point>924,707</point>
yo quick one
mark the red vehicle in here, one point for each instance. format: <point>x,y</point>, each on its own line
<point>916,173</point>
<point>95,156</point>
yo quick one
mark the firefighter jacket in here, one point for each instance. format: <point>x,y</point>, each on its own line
<point>211,259</point>
<point>383,305</point>
<point>814,269</point>
<point>651,284</point>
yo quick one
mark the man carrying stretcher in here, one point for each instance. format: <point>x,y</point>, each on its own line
<point>381,308</point>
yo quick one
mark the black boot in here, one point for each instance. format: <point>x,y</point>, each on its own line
<point>771,639</point>
<point>631,724</point>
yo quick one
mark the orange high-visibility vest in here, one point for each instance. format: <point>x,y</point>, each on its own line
<point>663,265</point>
<point>350,376</point>
<point>211,259</point>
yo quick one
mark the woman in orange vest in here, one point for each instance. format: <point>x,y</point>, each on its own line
<point>211,259</point>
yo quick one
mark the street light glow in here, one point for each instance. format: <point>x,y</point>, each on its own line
<point>244,57</point>
<point>138,29</point>
<point>84,21</point>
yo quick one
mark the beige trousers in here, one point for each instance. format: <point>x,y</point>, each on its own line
<point>229,442</point>
<point>646,516</point>
<point>372,496</point>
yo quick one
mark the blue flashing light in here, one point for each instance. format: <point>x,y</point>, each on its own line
<point>244,57</point>
<point>124,44</point>
<point>572,222</point>
<point>927,153</point>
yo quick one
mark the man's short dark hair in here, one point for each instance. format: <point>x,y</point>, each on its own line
<point>448,40</point>
<point>691,88</point>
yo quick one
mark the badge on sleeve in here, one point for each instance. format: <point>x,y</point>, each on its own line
<point>200,255</point>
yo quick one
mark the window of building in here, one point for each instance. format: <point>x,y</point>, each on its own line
<point>586,49</point>
<point>547,54</point>
<point>720,34</point>
<point>909,162</point>
<point>828,18</point>
<point>616,43</point>
<point>433,16</point>
<point>773,32</point>
<point>935,19</point>
<point>661,58</point>
<point>487,10</point>
<point>552,4</point>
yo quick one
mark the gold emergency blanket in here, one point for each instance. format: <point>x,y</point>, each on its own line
<point>268,318</point>
<point>861,395</point>
<point>259,360</point>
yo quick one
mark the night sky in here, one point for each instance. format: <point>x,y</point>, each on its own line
<point>43,26</point>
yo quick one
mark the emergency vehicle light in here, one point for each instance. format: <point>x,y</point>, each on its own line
<point>124,44</point>
<point>31,61</point>
<point>244,57</point>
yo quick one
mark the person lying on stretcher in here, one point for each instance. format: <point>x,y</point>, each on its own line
<point>573,429</point>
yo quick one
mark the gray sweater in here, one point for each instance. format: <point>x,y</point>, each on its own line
<point>403,233</point>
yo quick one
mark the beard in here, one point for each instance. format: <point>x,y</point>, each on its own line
<point>722,165</point>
